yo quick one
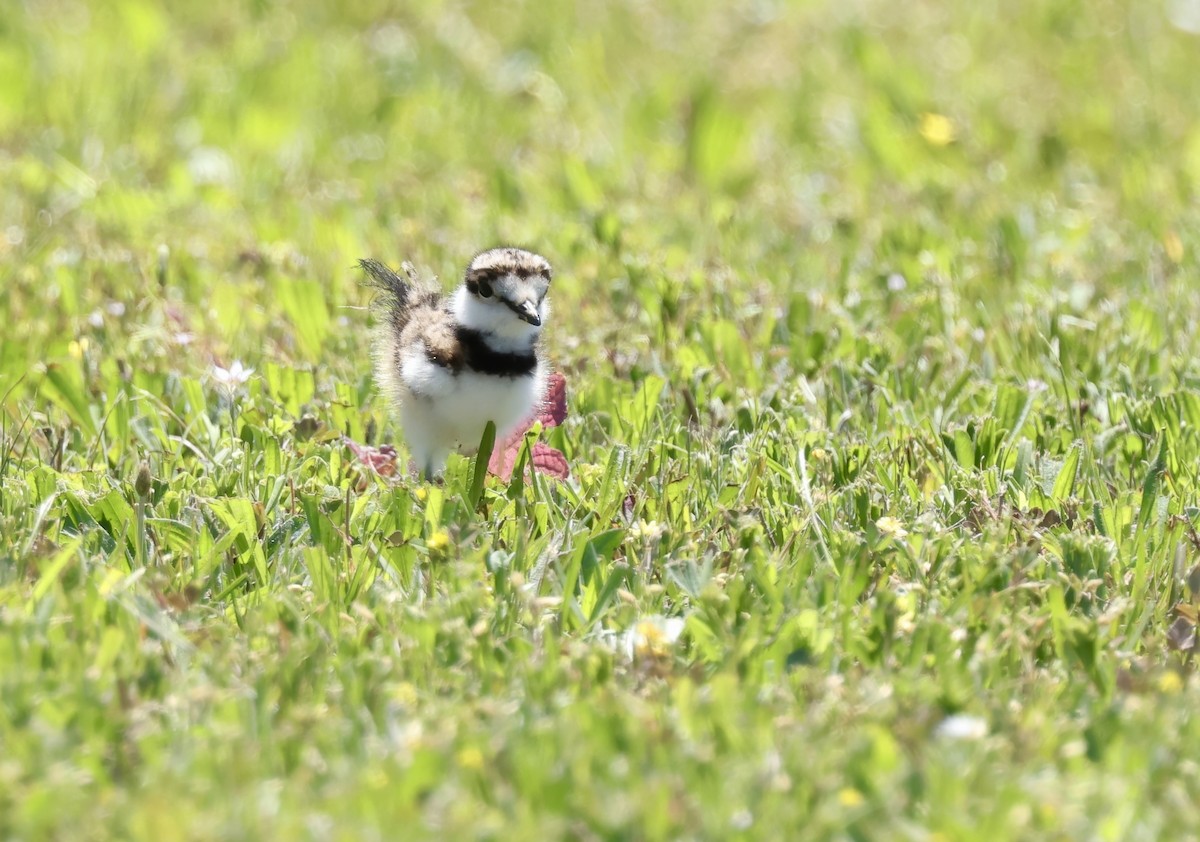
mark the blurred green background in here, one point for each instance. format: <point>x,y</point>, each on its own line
<point>880,326</point>
<point>803,145</point>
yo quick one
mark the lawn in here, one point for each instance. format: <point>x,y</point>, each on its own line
<point>881,330</point>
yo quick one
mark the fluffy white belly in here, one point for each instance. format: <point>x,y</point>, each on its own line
<point>449,411</point>
<point>481,398</point>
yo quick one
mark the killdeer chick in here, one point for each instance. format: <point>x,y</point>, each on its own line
<point>449,364</point>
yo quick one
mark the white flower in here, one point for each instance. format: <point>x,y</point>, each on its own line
<point>651,531</point>
<point>961,726</point>
<point>1185,14</point>
<point>235,375</point>
<point>652,636</point>
<point>209,165</point>
<point>891,527</point>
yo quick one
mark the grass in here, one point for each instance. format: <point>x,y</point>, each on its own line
<point>880,327</point>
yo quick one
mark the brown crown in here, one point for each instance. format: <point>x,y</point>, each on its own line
<point>498,262</point>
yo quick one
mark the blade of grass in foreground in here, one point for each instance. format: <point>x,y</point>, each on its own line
<point>482,457</point>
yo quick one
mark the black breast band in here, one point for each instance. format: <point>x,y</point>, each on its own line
<point>478,356</point>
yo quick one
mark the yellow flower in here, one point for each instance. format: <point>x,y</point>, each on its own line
<point>850,797</point>
<point>470,758</point>
<point>78,348</point>
<point>1174,246</point>
<point>421,492</point>
<point>891,527</point>
<point>404,693</point>
<point>937,129</point>
<point>651,636</point>
<point>438,542</point>
<point>1170,683</point>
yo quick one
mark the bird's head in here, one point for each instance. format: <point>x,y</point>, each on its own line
<point>504,293</point>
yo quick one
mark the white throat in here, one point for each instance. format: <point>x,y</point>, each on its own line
<point>502,330</point>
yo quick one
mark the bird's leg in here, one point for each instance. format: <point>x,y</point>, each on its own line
<point>432,465</point>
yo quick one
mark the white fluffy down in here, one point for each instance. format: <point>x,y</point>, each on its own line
<point>448,412</point>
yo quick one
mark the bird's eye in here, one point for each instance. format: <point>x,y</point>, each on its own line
<point>484,288</point>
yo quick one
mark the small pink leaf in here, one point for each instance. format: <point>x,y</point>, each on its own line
<point>551,413</point>
<point>550,461</point>
<point>554,405</point>
<point>504,458</point>
<point>380,459</point>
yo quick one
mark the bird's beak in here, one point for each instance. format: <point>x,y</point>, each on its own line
<point>528,311</point>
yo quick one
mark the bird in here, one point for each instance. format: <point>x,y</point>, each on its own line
<point>448,364</point>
